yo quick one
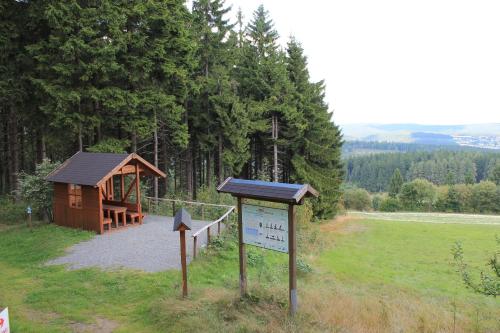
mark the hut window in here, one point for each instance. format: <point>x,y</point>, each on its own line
<point>75,195</point>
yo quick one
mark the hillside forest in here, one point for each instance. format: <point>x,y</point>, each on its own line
<point>458,180</point>
<point>373,171</point>
<point>198,95</point>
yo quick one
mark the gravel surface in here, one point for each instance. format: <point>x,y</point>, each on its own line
<point>150,247</point>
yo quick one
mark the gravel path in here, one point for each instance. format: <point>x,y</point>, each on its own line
<point>150,247</point>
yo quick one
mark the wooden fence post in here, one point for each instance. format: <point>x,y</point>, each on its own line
<point>194,246</point>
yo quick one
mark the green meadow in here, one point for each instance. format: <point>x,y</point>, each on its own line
<point>356,274</point>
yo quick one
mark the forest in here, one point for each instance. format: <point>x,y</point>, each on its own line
<point>440,167</point>
<point>200,96</point>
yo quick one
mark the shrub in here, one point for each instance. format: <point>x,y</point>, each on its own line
<point>10,211</point>
<point>377,201</point>
<point>484,197</point>
<point>36,191</point>
<point>419,194</point>
<point>390,205</point>
<point>357,199</point>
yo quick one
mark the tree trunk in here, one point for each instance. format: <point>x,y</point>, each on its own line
<point>189,171</point>
<point>41,153</point>
<point>155,152</point>
<point>165,163</point>
<point>220,171</point>
<point>13,158</point>
<point>208,177</point>
<point>275,147</point>
<point>134,142</point>
<point>80,138</point>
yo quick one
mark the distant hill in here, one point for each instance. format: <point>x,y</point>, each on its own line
<point>475,135</point>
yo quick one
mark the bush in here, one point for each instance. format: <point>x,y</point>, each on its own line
<point>357,199</point>
<point>390,205</point>
<point>442,195</point>
<point>419,194</point>
<point>484,197</point>
<point>377,201</point>
<point>36,191</point>
<point>10,211</point>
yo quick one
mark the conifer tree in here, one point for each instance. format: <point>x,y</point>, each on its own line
<point>316,153</point>
<point>395,183</point>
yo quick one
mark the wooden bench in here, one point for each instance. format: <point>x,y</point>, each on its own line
<point>107,221</point>
<point>134,216</point>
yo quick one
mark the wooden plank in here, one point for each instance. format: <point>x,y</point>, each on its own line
<point>129,189</point>
<point>138,193</point>
<point>122,187</point>
<point>101,213</point>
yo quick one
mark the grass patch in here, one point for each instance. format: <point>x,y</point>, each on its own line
<point>358,276</point>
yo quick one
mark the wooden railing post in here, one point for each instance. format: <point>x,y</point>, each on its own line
<point>173,208</point>
<point>194,246</point>
<point>218,228</point>
<point>208,236</point>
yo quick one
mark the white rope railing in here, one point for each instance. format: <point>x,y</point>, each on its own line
<point>230,209</point>
<point>207,227</point>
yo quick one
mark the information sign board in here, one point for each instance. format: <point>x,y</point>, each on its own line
<point>265,227</point>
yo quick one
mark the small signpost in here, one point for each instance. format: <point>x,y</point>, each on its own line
<point>269,228</point>
<point>28,213</point>
<point>182,222</point>
<point>4,321</point>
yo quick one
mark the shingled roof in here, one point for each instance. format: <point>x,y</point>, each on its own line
<point>257,189</point>
<point>94,168</point>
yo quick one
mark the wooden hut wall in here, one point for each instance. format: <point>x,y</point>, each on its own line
<point>86,218</point>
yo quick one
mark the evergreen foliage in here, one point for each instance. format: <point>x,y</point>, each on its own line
<point>395,184</point>
<point>199,96</point>
<point>441,167</point>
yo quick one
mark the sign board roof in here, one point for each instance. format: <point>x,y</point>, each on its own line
<point>182,217</point>
<point>270,191</point>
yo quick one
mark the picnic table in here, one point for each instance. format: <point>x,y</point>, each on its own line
<point>116,210</point>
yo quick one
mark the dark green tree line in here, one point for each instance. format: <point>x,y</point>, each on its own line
<point>443,167</point>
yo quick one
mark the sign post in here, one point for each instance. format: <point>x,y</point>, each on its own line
<point>269,228</point>
<point>182,222</point>
<point>28,212</point>
<point>242,252</point>
<point>4,321</point>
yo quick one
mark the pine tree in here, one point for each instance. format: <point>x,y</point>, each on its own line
<point>395,183</point>
<point>316,152</point>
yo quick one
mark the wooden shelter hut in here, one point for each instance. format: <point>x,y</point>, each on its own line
<point>86,194</point>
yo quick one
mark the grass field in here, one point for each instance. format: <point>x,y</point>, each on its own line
<point>368,275</point>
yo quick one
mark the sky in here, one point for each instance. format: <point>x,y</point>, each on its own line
<point>397,61</point>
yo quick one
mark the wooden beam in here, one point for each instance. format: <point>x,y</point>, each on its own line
<point>122,186</point>
<point>103,192</point>
<point>138,192</point>
<point>101,213</point>
<point>129,190</point>
<point>111,188</point>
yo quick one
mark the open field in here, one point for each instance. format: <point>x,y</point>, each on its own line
<point>368,275</point>
<point>430,217</point>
